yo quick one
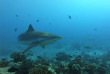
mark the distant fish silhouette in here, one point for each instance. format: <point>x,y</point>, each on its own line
<point>94,53</point>
<point>37,20</point>
<point>50,23</point>
<point>69,17</point>
<point>16,29</point>
<point>95,29</point>
<point>87,47</point>
<point>16,15</point>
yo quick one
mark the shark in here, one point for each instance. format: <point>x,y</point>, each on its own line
<point>34,38</point>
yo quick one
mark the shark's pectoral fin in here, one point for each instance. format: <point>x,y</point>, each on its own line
<point>43,46</point>
<point>30,46</point>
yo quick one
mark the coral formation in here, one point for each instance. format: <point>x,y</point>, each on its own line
<point>4,63</point>
<point>101,70</point>
<point>75,66</point>
<point>40,69</point>
<point>41,61</point>
<point>18,56</point>
<point>12,69</point>
<point>62,65</point>
<point>25,67</point>
<point>75,69</point>
<point>91,68</point>
<point>62,56</point>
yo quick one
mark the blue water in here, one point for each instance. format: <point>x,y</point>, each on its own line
<point>89,23</point>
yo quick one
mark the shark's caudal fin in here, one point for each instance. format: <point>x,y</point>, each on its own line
<point>30,28</point>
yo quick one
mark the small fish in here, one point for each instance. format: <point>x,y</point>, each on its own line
<point>16,29</point>
<point>16,15</point>
<point>70,56</point>
<point>69,17</point>
<point>87,47</point>
<point>94,53</point>
<point>95,29</point>
<point>78,48</point>
<point>50,23</point>
<point>39,57</point>
<point>37,20</point>
<point>75,52</point>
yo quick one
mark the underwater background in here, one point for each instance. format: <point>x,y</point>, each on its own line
<point>83,24</point>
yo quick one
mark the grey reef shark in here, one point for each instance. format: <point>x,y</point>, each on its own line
<point>34,38</point>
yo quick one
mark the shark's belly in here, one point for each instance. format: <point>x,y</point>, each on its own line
<point>28,42</point>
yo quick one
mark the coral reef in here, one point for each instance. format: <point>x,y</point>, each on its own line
<point>18,56</point>
<point>41,61</point>
<point>40,69</point>
<point>4,70</point>
<point>15,65</point>
<point>25,67</point>
<point>91,68</point>
<point>62,65</point>
<point>4,63</point>
<point>90,59</point>
<point>12,69</point>
<point>75,69</point>
<point>101,70</point>
<point>62,56</point>
<point>75,66</point>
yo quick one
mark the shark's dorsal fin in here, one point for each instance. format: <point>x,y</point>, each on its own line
<point>30,28</point>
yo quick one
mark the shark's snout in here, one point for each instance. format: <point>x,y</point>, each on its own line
<point>56,38</point>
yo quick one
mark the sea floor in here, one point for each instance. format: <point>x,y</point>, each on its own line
<point>49,52</point>
<point>4,71</point>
